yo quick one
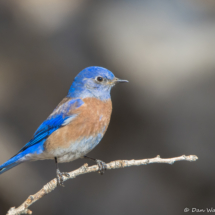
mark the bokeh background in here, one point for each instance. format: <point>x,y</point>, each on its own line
<point>166,49</point>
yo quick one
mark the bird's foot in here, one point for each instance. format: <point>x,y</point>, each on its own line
<point>60,177</point>
<point>102,166</point>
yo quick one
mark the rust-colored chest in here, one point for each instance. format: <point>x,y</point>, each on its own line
<point>92,120</point>
<point>93,117</point>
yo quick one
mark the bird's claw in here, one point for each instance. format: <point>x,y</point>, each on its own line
<point>102,167</point>
<point>60,177</point>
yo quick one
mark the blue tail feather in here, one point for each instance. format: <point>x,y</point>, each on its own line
<point>14,161</point>
<point>10,166</point>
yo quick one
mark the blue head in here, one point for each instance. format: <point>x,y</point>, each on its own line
<point>93,82</point>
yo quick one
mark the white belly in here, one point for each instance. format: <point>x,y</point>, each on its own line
<point>78,149</point>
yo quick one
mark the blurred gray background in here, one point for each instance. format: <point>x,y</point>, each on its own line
<point>166,49</point>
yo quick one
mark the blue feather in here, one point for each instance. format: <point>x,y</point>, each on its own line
<point>18,158</point>
<point>54,122</point>
<point>85,86</point>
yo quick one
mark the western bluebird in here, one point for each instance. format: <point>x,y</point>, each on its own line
<point>75,126</point>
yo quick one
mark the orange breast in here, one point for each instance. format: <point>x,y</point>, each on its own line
<point>93,118</point>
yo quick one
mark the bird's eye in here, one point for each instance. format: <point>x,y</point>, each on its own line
<point>99,79</point>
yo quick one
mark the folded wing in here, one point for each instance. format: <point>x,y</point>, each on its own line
<point>60,117</point>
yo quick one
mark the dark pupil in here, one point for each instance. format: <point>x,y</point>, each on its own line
<point>100,79</point>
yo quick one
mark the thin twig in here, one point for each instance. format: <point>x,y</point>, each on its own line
<point>49,187</point>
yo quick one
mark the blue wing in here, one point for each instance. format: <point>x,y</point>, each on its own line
<point>57,119</point>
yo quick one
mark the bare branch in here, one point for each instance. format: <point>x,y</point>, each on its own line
<point>49,187</point>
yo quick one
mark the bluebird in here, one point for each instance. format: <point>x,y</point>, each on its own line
<point>76,125</point>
